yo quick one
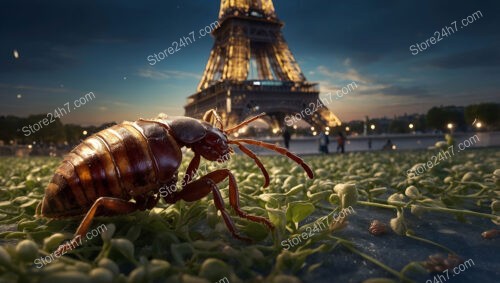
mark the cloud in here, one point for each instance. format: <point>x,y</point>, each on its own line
<point>395,90</point>
<point>347,62</point>
<point>350,75</point>
<point>367,86</point>
<point>484,57</point>
<point>151,73</point>
<point>31,88</point>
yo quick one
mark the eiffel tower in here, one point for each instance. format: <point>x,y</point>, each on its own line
<point>251,70</point>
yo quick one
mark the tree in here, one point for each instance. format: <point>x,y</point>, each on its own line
<point>439,117</point>
<point>486,113</point>
<point>398,126</point>
<point>10,126</point>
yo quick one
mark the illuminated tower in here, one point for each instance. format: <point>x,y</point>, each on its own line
<point>252,70</point>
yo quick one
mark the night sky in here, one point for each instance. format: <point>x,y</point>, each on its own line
<point>69,48</point>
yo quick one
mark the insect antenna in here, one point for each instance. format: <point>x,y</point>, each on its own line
<point>280,150</point>
<point>244,123</point>
<point>213,118</point>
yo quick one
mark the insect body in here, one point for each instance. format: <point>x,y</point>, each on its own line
<point>132,161</point>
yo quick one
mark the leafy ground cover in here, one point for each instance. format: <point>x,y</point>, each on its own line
<point>316,239</point>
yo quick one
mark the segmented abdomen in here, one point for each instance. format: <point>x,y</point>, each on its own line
<point>123,161</point>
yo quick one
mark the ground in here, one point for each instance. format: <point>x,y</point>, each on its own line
<point>321,232</point>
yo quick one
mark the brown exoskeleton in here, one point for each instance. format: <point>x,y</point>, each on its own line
<point>134,160</point>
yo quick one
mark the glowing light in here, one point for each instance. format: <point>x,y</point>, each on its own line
<point>30,146</point>
<point>275,130</point>
<point>449,126</point>
<point>393,147</point>
<point>15,53</point>
<point>243,130</point>
<point>236,135</point>
<point>327,128</point>
<point>315,133</point>
<point>347,129</point>
<point>479,125</point>
<point>84,133</point>
<point>295,127</point>
<point>327,133</point>
<point>410,126</point>
<point>372,127</point>
<point>19,96</point>
<point>312,128</point>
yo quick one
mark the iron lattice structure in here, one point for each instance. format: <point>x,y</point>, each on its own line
<point>251,70</point>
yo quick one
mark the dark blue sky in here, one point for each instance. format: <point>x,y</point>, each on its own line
<point>69,48</point>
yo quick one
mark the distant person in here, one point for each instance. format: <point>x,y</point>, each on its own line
<point>286,138</point>
<point>388,145</point>
<point>323,143</point>
<point>369,144</point>
<point>340,142</point>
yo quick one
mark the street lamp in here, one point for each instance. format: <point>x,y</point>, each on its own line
<point>410,126</point>
<point>372,126</point>
<point>479,125</point>
<point>347,129</point>
<point>84,133</point>
<point>450,127</point>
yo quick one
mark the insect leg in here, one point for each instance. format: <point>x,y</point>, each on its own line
<point>252,155</point>
<point>200,188</point>
<point>217,177</point>
<point>191,170</point>
<point>234,199</point>
<point>219,203</point>
<point>144,203</point>
<point>111,205</point>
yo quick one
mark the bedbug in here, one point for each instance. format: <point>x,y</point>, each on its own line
<point>121,169</point>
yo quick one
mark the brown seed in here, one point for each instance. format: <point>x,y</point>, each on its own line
<point>490,234</point>
<point>377,228</point>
